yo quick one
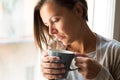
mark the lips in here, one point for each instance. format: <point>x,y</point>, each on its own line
<point>59,38</point>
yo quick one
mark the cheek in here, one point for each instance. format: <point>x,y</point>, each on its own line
<point>61,27</point>
<point>66,26</point>
<point>64,29</point>
<point>70,31</point>
<point>67,31</point>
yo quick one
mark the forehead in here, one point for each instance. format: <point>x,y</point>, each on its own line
<point>50,9</point>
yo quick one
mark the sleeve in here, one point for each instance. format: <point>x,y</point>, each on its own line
<point>112,70</point>
<point>104,74</point>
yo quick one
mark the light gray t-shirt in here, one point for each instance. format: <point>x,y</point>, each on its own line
<point>108,55</point>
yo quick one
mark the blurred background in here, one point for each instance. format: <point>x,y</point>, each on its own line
<point>19,57</point>
<point>18,53</point>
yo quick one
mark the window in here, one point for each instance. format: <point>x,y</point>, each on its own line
<point>101,16</point>
<point>19,59</point>
<point>18,54</point>
<point>16,20</point>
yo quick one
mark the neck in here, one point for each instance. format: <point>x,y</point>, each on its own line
<point>85,44</point>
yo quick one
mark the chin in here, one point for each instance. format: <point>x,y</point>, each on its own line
<point>66,43</point>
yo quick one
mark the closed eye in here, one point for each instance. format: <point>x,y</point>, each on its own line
<point>55,19</point>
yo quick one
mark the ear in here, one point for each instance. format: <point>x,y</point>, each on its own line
<point>78,9</point>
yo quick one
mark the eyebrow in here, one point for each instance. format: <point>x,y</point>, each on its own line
<point>51,18</point>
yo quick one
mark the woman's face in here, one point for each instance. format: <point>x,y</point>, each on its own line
<point>63,24</point>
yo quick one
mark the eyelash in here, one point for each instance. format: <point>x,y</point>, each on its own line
<point>56,20</point>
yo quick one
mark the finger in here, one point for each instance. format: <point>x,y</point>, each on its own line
<point>45,54</point>
<point>81,66</point>
<point>79,70</point>
<point>50,58</point>
<point>81,59</point>
<point>53,71</point>
<point>52,77</point>
<point>79,54</point>
<point>52,65</point>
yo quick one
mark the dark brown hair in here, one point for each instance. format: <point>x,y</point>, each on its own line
<point>41,34</point>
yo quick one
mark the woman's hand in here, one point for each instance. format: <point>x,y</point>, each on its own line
<point>51,70</point>
<point>88,67</point>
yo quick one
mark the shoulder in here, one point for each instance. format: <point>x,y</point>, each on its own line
<point>109,48</point>
<point>113,45</point>
<point>108,43</point>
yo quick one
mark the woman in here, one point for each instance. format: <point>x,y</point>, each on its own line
<point>64,22</point>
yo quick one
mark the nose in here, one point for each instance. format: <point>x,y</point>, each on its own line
<point>52,30</point>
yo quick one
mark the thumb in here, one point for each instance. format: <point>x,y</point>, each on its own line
<point>77,54</point>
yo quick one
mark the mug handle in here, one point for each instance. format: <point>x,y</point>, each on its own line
<point>74,68</point>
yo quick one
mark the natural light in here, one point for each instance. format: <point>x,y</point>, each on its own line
<point>19,58</point>
<point>101,16</point>
<point>16,20</point>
